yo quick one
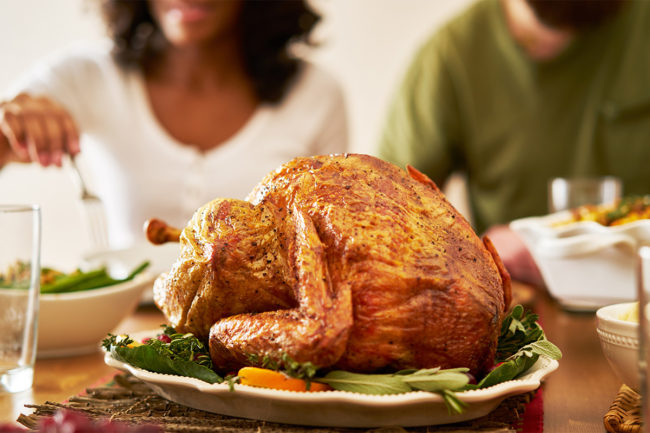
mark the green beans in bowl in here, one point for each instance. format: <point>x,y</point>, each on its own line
<point>78,309</point>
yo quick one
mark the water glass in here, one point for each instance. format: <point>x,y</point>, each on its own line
<point>569,193</point>
<point>20,239</point>
<point>643,292</point>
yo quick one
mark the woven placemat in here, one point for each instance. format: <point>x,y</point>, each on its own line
<point>127,399</point>
<point>624,415</point>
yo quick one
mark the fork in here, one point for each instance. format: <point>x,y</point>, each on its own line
<point>93,211</point>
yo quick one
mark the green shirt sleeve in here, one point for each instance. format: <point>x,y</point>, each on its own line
<point>422,127</point>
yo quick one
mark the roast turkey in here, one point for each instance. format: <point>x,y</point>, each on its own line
<point>346,261</point>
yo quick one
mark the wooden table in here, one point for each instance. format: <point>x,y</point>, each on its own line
<point>59,378</point>
<point>581,390</point>
<point>576,396</point>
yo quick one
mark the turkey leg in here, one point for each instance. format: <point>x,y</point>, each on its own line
<point>158,232</point>
<point>317,330</point>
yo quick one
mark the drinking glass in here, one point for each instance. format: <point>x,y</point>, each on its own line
<point>20,240</point>
<point>569,193</point>
<point>643,292</point>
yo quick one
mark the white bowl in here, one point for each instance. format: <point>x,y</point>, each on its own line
<point>620,342</point>
<point>120,262</point>
<point>75,323</point>
<point>585,265</point>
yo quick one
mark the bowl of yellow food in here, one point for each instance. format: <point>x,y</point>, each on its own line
<point>618,334</point>
<point>587,255</point>
<point>77,309</point>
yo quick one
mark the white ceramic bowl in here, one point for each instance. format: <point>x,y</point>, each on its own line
<point>585,265</point>
<point>620,342</point>
<point>75,323</point>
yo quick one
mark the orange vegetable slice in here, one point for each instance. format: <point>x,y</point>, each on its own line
<point>265,378</point>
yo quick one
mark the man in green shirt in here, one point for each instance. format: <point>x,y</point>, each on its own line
<point>515,92</point>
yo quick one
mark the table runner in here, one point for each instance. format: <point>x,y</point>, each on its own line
<point>127,399</point>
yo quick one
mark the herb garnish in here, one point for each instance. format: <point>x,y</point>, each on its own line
<point>625,210</point>
<point>521,343</point>
<point>443,382</point>
<point>287,365</point>
<point>169,353</point>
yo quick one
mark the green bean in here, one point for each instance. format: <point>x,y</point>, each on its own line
<point>94,283</point>
<point>88,280</point>
<point>137,270</point>
<point>68,282</point>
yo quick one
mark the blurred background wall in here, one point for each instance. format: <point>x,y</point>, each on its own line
<point>367,44</point>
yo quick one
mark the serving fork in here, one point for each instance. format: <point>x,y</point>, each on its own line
<point>94,214</point>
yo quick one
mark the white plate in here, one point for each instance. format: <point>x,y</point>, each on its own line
<point>331,408</point>
<point>122,261</point>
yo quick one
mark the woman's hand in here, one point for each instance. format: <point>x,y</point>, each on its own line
<point>36,129</point>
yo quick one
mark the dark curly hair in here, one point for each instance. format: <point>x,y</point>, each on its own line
<point>268,27</point>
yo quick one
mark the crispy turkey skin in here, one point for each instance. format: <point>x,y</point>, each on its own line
<point>346,261</point>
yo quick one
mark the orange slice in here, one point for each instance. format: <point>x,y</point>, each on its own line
<point>265,378</point>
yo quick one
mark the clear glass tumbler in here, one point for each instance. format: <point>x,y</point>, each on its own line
<point>643,292</point>
<point>20,270</point>
<point>569,193</point>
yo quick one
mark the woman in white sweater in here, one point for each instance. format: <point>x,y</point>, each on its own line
<point>191,100</point>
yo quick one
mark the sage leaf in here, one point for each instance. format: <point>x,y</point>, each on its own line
<point>546,348</point>
<point>453,403</point>
<point>377,384</point>
<point>439,381</point>
<point>410,371</point>
<point>147,358</point>
<point>508,370</point>
<point>425,371</point>
<point>517,330</point>
<point>144,357</point>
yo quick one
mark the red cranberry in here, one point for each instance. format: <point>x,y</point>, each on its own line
<point>164,338</point>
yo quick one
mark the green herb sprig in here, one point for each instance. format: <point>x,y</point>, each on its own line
<point>517,330</point>
<point>177,354</point>
<point>627,205</point>
<point>443,382</point>
<point>521,343</point>
<point>287,365</point>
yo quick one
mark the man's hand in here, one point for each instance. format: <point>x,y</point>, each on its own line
<point>515,256</point>
<point>36,129</point>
